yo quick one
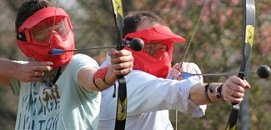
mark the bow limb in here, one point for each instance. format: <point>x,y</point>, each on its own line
<point>248,41</point>
<point>121,113</point>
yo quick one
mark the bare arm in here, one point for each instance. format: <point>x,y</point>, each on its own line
<point>31,71</point>
<point>7,70</point>
<point>233,90</point>
<point>121,64</point>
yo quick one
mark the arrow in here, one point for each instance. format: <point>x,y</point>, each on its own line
<point>263,72</point>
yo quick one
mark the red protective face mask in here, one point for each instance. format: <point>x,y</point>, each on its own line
<point>158,61</point>
<point>46,29</point>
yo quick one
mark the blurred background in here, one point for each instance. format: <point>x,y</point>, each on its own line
<point>215,47</point>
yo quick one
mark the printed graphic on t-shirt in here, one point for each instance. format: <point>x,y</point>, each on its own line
<point>39,109</point>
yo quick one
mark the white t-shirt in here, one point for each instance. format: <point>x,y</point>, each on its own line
<point>64,106</point>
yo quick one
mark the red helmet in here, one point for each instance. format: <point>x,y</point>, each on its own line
<point>156,56</point>
<point>46,29</point>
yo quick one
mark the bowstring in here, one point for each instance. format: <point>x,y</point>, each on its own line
<point>194,31</point>
<point>188,47</point>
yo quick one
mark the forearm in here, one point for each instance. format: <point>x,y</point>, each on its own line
<point>8,70</point>
<point>93,79</point>
<point>203,94</point>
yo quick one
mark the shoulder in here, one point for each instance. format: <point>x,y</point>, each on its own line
<point>82,60</point>
<point>82,57</point>
<point>79,61</point>
<point>140,77</point>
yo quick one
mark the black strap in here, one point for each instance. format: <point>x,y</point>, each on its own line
<point>121,105</point>
<point>58,73</point>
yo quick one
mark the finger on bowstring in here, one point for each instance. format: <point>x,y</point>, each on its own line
<point>179,66</point>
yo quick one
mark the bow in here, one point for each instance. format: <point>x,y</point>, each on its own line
<point>121,113</point>
<point>248,40</point>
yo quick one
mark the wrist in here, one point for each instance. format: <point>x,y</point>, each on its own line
<point>219,91</point>
<point>216,92</point>
<point>102,78</point>
<point>110,76</point>
<point>206,93</point>
<point>17,70</point>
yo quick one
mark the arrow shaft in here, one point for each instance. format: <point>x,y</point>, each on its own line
<point>186,74</point>
<point>90,48</point>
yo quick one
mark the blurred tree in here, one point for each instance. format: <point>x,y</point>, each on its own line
<point>215,47</point>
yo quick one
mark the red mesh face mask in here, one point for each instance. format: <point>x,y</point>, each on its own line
<point>46,29</point>
<point>156,56</point>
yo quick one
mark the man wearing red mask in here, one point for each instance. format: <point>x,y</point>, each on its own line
<point>150,92</point>
<point>56,91</point>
